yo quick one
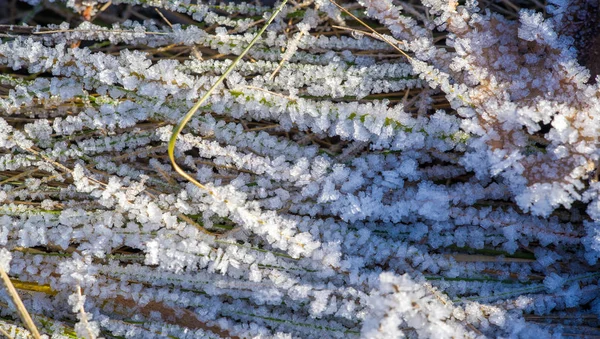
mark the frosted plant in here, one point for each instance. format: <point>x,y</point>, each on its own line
<point>436,180</point>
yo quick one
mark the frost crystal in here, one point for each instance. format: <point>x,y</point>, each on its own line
<point>347,189</point>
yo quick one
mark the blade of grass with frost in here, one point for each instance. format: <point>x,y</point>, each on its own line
<point>177,130</point>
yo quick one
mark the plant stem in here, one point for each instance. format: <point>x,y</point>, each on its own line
<point>25,317</point>
<point>177,130</point>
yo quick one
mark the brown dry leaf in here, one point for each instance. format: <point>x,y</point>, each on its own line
<point>181,316</point>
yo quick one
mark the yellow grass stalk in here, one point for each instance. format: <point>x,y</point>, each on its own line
<point>25,317</point>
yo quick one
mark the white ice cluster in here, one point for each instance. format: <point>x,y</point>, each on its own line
<point>350,191</point>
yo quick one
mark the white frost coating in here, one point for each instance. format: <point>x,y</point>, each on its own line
<point>354,193</point>
<point>5,258</point>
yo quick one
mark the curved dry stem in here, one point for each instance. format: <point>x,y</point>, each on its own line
<point>177,130</point>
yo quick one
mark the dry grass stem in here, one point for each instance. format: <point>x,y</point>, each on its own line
<point>21,310</point>
<point>83,315</point>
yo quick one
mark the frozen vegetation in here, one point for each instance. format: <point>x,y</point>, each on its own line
<point>351,190</point>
